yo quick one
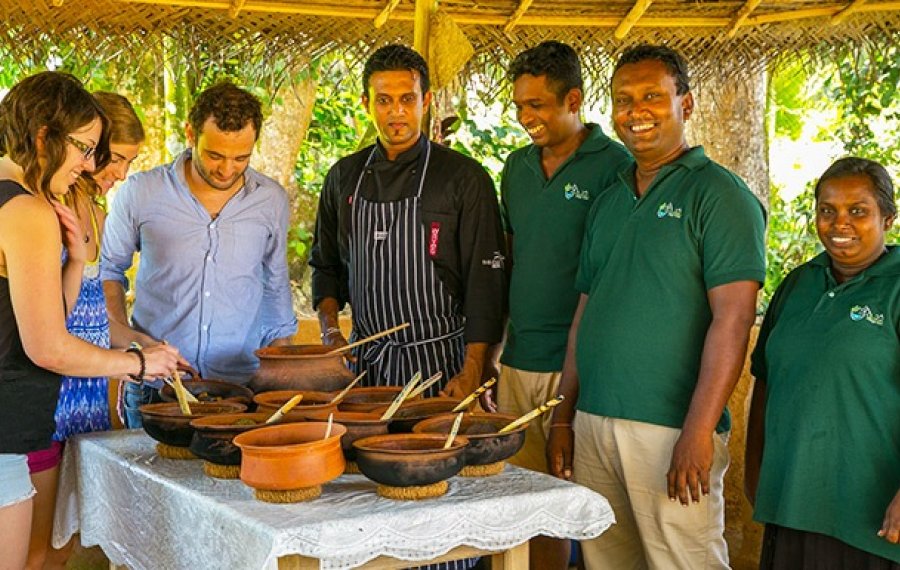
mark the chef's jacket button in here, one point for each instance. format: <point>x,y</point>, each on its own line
<point>212,225</point>
<point>205,327</point>
<point>206,293</point>
<point>208,258</point>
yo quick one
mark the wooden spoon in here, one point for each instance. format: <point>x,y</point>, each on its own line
<point>543,408</point>
<point>353,345</point>
<point>287,407</point>
<point>453,430</point>
<point>343,392</point>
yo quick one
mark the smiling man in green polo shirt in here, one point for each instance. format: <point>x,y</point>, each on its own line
<point>672,260</point>
<point>546,193</point>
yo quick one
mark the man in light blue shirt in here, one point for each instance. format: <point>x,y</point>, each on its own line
<point>212,234</point>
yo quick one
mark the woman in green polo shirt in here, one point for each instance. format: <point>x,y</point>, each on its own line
<point>824,429</point>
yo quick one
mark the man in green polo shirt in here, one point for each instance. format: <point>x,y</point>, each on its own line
<point>672,260</point>
<point>546,193</point>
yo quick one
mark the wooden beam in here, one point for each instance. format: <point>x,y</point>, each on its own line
<point>465,18</point>
<point>843,14</point>
<point>235,8</point>
<point>517,15</point>
<point>382,17</point>
<point>741,15</point>
<point>631,18</point>
<point>422,25</point>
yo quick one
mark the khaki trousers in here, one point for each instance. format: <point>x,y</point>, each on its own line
<point>519,392</point>
<point>626,462</point>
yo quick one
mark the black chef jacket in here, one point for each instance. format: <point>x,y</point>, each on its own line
<point>458,198</point>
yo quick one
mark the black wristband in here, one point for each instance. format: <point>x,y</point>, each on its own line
<point>140,354</point>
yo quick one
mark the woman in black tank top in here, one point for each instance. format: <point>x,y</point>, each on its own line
<point>51,130</point>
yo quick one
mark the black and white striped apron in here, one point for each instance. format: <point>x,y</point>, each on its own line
<point>393,281</point>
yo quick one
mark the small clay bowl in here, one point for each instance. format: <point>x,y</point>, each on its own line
<point>211,391</point>
<point>290,457</point>
<point>312,401</point>
<point>486,446</point>
<point>165,423</point>
<point>369,398</point>
<point>300,367</point>
<point>409,460</point>
<point>413,411</point>
<point>358,424</point>
<point>214,435</point>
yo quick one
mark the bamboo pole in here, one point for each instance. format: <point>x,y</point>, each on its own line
<point>843,14</point>
<point>517,15</point>
<point>470,17</point>
<point>382,17</point>
<point>235,8</point>
<point>741,16</point>
<point>631,18</point>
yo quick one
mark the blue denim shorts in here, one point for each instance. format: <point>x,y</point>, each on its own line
<point>15,483</point>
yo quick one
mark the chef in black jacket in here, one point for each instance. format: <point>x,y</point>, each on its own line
<point>409,231</point>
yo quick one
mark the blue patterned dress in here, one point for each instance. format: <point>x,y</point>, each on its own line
<point>84,402</point>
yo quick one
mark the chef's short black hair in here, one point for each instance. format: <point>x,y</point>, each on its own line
<point>396,57</point>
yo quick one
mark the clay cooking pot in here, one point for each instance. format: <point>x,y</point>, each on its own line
<point>165,423</point>
<point>300,367</point>
<point>486,446</point>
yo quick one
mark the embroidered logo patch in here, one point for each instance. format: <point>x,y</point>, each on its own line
<point>380,235</point>
<point>433,239</point>
<point>666,209</point>
<point>572,191</point>
<point>860,312</point>
<point>495,262</point>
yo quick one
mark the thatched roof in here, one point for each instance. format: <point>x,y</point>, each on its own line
<point>716,35</point>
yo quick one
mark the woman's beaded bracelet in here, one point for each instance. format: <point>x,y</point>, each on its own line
<point>139,377</point>
<point>560,425</point>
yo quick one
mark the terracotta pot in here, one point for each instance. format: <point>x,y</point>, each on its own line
<point>412,412</point>
<point>165,423</point>
<point>290,456</point>
<point>358,424</point>
<point>211,391</point>
<point>406,460</point>
<point>486,446</point>
<point>312,401</point>
<point>214,435</point>
<point>369,398</point>
<point>300,367</point>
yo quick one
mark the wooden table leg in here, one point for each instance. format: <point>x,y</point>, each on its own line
<point>516,558</point>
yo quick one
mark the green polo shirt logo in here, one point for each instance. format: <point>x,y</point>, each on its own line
<point>666,209</point>
<point>572,191</point>
<point>858,313</point>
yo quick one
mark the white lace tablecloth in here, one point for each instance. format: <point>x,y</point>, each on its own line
<point>154,513</point>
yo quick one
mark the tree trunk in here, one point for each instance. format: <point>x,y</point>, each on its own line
<point>282,135</point>
<point>729,121</point>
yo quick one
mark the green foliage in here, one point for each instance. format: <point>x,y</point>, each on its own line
<point>338,122</point>
<point>791,238</point>
<point>788,98</point>
<point>488,142</point>
<point>865,91</point>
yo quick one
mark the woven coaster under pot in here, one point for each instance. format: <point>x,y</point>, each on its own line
<point>351,468</point>
<point>293,496</point>
<point>483,470</point>
<point>172,452</point>
<point>221,471</point>
<point>415,493</point>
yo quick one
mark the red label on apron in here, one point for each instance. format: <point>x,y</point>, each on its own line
<point>433,239</point>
